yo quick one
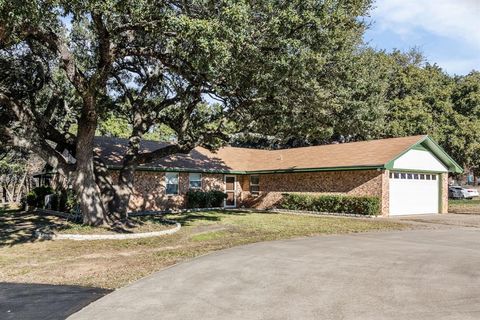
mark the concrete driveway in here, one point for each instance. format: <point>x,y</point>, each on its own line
<point>417,274</point>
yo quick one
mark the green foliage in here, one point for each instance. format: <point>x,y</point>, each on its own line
<point>205,199</point>
<point>332,204</point>
<point>36,197</point>
<point>62,200</point>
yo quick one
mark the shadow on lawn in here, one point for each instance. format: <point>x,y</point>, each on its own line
<point>186,219</point>
<point>19,227</point>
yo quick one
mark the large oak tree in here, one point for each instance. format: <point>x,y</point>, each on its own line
<point>67,64</point>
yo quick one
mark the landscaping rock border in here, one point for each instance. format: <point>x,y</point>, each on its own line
<point>45,235</point>
<point>49,235</point>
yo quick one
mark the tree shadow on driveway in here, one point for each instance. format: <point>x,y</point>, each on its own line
<point>42,301</point>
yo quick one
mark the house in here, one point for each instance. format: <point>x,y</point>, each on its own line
<point>408,174</point>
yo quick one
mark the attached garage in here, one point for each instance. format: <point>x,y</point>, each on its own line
<point>414,193</point>
<point>416,181</point>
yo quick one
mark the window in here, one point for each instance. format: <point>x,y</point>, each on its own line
<point>427,176</point>
<point>415,176</point>
<point>195,180</point>
<point>171,178</point>
<point>254,184</point>
<point>403,175</point>
<point>409,176</point>
<point>396,175</point>
<point>422,176</point>
<point>434,177</point>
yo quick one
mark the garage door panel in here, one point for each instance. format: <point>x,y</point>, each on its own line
<point>413,196</point>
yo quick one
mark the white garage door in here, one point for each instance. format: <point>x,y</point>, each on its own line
<point>413,193</point>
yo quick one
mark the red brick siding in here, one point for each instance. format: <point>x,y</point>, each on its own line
<point>444,195</point>
<point>357,182</point>
<point>150,187</point>
<point>149,193</point>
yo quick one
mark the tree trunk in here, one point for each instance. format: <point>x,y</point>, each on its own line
<point>124,190</point>
<point>107,189</point>
<point>126,176</point>
<point>21,185</point>
<point>87,190</point>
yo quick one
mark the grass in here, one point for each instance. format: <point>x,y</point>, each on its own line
<point>464,206</point>
<point>8,209</point>
<point>112,264</point>
<point>2,211</point>
<point>140,224</point>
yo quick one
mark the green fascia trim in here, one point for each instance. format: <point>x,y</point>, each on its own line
<point>155,169</point>
<point>428,144</point>
<point>419,147</point>
<point>443,155</point>
<point>293,170</point>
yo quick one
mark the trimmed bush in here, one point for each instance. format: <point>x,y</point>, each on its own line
<point>205,199</point>
<point>36,197</point>
<point>332,204</point>
<point>62,200</point>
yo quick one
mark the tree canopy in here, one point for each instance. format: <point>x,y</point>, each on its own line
<point>272,73</point>
<point>67,67</point>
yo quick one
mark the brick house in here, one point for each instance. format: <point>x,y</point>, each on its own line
<point>408,174</point>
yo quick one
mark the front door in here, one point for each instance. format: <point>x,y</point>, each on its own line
<point>230,188</point>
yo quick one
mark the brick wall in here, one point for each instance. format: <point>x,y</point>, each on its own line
<point>356,182</point>
<point>444,195</point>
<point>150,187</point>
<point>385,192</point>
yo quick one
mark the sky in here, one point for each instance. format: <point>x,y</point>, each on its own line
<point>446,31</point>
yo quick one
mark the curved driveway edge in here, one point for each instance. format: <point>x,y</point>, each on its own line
<point>418,274</point>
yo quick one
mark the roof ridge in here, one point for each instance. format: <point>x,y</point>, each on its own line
<point>422,136</point>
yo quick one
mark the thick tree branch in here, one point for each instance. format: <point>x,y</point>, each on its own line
<point>58,46</point>
<point>31,141</point>
<point>27,117</point>
<point>169,150</point>
<point>105,52</point>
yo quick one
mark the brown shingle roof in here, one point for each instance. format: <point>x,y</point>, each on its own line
<point>374,153</point>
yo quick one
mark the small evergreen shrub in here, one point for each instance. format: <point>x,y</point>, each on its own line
<point>332,203</point>
<point>64,201</point>
<point>36,197</point>
<point>205,199</point>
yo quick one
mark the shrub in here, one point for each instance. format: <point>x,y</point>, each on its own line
<point>214,198</point>
<point>36,197</point>
<point>205,199</point>
<point>68,201</point>
<point>31,199</point>
<point>332,203</point>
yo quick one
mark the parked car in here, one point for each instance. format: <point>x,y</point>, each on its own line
<point>457,192</point>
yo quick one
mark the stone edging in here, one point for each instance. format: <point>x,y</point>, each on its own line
<point>40,234</point>
<point>86,237</point>
<point>316,213</point>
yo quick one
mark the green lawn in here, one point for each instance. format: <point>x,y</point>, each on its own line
<point>3,210</point>
<point>464,206</point>
<point>112,264</point>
